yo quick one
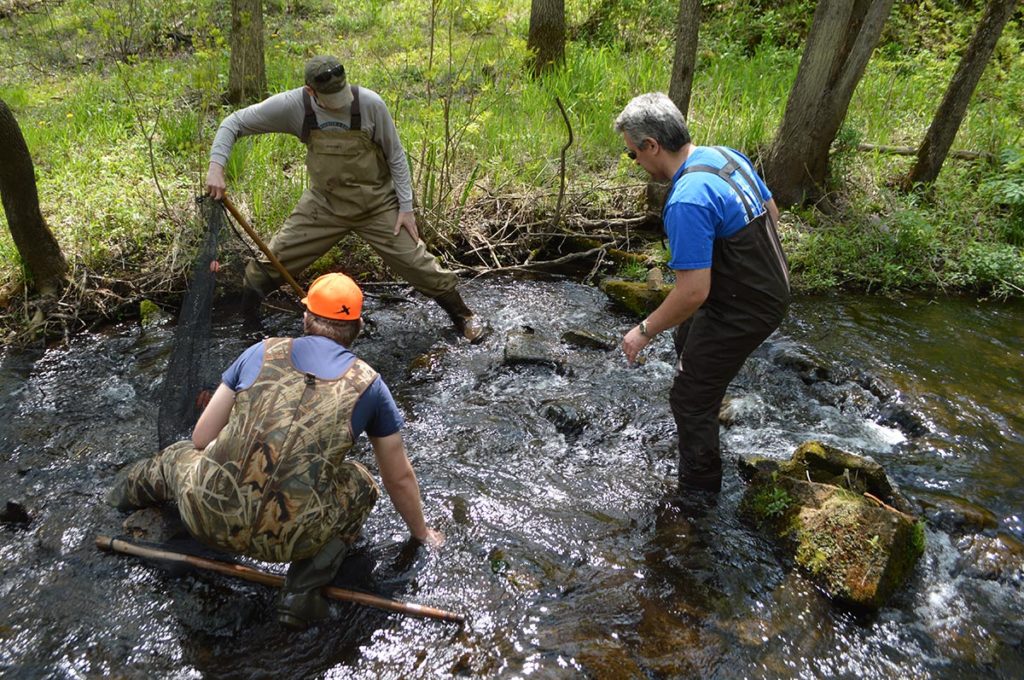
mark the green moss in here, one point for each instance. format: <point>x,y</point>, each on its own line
<point>917,538</point>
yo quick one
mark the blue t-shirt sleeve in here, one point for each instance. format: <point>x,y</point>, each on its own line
<point>242,373</point>
<point>376,412</point>
<point>691,235</point>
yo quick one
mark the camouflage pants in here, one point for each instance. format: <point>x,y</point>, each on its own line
<point>216,513</point>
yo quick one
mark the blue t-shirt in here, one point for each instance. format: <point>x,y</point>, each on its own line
<point>702,207</point>
<point>375,412</point>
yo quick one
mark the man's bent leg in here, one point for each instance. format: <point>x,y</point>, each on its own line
<point>410,259</point>
<point>309,232</point>
<point>300,602</point>
<point>151,481</point>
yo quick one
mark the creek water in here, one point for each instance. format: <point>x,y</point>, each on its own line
<point>566,547</point>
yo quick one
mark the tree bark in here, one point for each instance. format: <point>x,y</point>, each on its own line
<point>685,62</point>
<point>843,34</point>
<point>950,114</point>
<point>43,259</point>
<point>547,34</point>
<point>247,79</point>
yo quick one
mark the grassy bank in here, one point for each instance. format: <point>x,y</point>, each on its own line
<point>118,102</point>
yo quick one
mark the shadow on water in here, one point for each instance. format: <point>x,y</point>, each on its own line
<point>568,548</point>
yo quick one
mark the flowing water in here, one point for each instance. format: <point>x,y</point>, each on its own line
<point>566,546</point>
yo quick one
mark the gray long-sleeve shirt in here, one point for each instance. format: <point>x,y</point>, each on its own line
<point>284,113</point>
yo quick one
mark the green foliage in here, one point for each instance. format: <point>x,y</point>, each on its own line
<point>1006,188</point>
<point>98,86</point>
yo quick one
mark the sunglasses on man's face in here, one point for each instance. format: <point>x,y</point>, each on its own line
<point>632,154</point>
<point>322,78</point>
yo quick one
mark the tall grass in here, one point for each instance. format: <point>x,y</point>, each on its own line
<point>94,98</point>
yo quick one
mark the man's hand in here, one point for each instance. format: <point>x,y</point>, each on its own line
<point>216,187</point>
<point>407,220</point>
<point>633,343</point>
<point>433,538</point>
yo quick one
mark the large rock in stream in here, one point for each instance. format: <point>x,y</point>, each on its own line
<point>839,518</point>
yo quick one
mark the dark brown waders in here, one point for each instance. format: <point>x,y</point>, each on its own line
<point>748,299</point>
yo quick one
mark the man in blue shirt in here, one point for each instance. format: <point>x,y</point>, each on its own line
<point>265,473</point>
<point>732,280</point>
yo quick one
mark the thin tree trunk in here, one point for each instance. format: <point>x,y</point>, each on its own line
<point>39,250</point>
<point>842,37</point>
<point>247,80</point>
<point>547,33</point>
<point>685,62</point>
<point>679,88</point>
<point>950,114</point>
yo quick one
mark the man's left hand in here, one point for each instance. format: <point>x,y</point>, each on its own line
<point>633,343</point>
<point>408,221</point>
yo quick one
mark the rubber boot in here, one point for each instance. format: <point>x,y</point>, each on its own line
<point>300,602</point>
<point>252,300</point>
<point>472,327</point>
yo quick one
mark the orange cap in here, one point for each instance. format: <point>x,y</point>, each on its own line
<point>334,296</point>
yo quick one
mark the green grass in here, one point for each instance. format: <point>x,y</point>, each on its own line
<point>89,81</point>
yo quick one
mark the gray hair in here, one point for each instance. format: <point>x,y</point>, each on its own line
<point>654,115</point>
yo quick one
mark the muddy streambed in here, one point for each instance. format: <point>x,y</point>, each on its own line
<point>566,547</point>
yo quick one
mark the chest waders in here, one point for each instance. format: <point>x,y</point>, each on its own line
<point>350,189</point>
<point>748,299</point>
<point>275,484</point>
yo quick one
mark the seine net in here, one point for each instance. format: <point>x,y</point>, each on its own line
<point>190,369</point>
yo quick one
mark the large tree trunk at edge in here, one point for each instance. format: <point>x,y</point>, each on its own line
<point>247,79</point>
<point>43,258</point>
<point>843,34</point>
<point>939,138</point>
<point>547,33</point>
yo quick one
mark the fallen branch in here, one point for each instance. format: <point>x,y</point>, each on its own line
<point>912,151</point>
<point>256,576</point>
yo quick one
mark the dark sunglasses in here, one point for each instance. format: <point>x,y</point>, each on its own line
<point>632,154</point>
<point>322,78</point>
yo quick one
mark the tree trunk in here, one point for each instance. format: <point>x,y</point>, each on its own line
<point>940,135</point>
<point>679,88</point>
<point>843,35</point>
<point>685,61</point>
<point>43,258</point>
<point>247,81</point>
<point>547,33</point>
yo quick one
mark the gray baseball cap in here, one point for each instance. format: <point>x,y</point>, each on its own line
<point>326,76</point>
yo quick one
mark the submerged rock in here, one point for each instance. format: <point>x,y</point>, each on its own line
<point>839,518</point>
<point>154,525</point>
<point>995,558</point>
<point>954,514</point>
<point>14,514</point>
<point>588,339</point>
<point>527,347</point>
<point>635,296</point>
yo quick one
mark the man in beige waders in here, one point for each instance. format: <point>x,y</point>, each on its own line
<point>358,181</point>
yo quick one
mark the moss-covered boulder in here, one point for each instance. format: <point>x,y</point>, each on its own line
<point>837,516</point>
<point>635,296</point>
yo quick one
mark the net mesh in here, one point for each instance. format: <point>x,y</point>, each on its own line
<point>190,369</point>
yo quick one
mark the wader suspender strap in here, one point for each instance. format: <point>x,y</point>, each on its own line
<point>309,120</point>
<point>725,173</point>
<point>357,118</point>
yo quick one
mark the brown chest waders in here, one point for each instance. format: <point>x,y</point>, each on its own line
<point>350,190</point>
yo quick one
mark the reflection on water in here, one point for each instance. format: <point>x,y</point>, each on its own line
<point>567,547</point>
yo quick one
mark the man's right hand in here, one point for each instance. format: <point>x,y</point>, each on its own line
<point>216,187</point>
